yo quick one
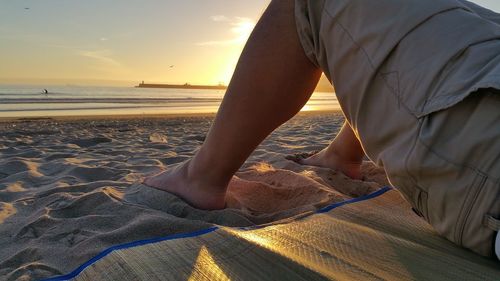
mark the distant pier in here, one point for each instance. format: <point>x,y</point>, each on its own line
<point>184,86</point>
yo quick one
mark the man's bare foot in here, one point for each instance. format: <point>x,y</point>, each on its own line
<point>195,192</point>
<point>327,159</point>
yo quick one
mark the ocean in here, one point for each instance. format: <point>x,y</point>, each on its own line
<point>21,101</point>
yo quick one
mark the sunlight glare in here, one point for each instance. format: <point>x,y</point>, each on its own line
<point>243,28</point>
<point>308,108</point>
<point>205,268</point>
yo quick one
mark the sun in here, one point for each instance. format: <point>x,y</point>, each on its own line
<point>243,28</point>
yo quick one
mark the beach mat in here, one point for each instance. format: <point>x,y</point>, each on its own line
<point>374,237</point>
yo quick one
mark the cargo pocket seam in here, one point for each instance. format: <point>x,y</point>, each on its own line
<point>420,204</point>
<point>467,205</point>
<point>458,165</point>
<point>394,88</point>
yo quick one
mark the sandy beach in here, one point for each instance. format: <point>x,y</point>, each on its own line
<point>70,188</point>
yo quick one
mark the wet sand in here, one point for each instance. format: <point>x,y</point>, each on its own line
<point>70,188</point>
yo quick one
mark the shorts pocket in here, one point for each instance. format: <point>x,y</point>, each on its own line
<point>491,223</point>
<point>455,165</point>
<point>422,197</point>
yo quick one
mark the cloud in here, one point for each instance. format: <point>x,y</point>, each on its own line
<point>217,43</point>
<point>62,46</point>
<point>219,18</point>
<point>103,56</point>
<point>240,27</point>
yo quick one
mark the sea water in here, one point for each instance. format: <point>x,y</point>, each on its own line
<point>23,101</point>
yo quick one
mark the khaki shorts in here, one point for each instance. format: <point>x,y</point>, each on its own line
<point>453,171</point>
<point>445,160</point>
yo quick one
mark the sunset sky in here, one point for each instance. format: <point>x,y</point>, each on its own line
<point>123,42</point>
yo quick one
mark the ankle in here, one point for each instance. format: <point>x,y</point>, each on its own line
<point>345,156</point>
<point>199,174</point>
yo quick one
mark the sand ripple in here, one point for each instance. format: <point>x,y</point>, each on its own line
<point>70,189</point>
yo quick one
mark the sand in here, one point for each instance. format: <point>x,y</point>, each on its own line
<point>71,188</point>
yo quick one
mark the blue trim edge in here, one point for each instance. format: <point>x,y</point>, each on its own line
<point>355,200</point>
<point>106,252</point>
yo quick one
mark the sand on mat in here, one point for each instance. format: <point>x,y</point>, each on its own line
<point>70,189</point>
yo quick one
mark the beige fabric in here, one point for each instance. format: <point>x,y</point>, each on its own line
<point>378,239</point>
<point>385,71</point>
<point>455,167</point>
<point>411,54</point>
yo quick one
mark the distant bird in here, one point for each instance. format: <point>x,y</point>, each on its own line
<point>172,66</point>
<point>26,8</point>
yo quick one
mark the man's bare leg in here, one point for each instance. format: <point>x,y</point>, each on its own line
<point>272,82</point>
<point>344,154</point>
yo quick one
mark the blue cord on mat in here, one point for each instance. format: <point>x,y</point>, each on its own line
<point>354,200</point>
<point>104,253</point>
<point>129,245</point>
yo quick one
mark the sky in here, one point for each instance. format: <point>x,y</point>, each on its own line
<point>123,42</point>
